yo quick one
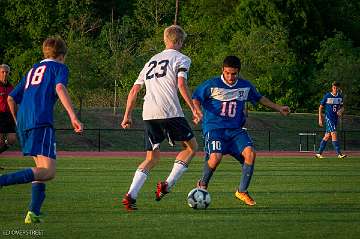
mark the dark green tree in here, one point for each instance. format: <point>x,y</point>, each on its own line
<point>340,61</point>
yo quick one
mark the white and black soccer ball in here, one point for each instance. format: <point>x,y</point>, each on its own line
<point>198,198</point>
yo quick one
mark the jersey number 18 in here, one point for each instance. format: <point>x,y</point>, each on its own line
<point>36,78</point>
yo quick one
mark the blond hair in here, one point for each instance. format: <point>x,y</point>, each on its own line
<point>174,34</point>
<point>53,47</point>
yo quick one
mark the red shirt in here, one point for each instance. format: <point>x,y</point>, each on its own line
<point>5,89</point>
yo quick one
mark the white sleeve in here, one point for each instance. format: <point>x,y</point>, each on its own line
<point>141,78</point>
<point>183,67</point>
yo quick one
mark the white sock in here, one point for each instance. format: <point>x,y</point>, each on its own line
<point>137,183</point>
<point>177,171</point>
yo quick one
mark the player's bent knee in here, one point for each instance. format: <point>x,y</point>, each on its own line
<point>214,164</point>
<point>149,163</point>
<point>192,145</point>
<point>44,174</point>
<point>249,155</point>
<point>214,160</point>
<point>50,177</point>
<point>50,174</point>
<point>193,151</point>
<point>327,137</point>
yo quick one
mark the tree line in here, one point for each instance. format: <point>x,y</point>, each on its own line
<point>290,49</point>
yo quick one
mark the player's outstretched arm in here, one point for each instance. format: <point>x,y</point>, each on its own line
<point>130,104</point>
<point>12,106</point>
<point>340,111</point>
<point>66,102</point>
<point>284,110</point>
<point>185,93</point>
<point>197,106</point>
<point>321,116</point>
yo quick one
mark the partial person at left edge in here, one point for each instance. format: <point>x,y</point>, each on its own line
<point>32,106</point>
<point>7,123</point>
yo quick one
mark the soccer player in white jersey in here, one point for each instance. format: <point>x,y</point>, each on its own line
<point>223,100</point>
<point>163,75</point>
<point>333,104</point>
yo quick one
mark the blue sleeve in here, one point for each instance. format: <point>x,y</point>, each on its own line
<point>254,96</point>
<point>62,76</point>
<point>18,92</point>
<point>200,92</point>
<point>323,101</point>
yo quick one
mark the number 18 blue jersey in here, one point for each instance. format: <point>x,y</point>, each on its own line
<point>223,104</point>
<point>36,94</point>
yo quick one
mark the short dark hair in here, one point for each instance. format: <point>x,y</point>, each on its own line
<point>336,83</point>
<point>232,61</point>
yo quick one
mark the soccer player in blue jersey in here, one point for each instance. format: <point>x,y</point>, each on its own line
<point>333,104</point>
<point>222,100</point>
<point>31,104</point>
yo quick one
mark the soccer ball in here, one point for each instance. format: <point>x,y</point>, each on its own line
<point>198,198</point>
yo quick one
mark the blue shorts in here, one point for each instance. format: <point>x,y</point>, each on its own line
<point>227,141</point>
<point>38,141</point>
<point>330,125</point>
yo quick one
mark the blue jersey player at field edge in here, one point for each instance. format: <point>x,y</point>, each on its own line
<point>332,102</point>
<point>31,104</point>
<point>222,100</point>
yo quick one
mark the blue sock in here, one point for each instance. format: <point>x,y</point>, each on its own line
<point>37,197</point>
<point>247,172</point>
<point>19,177</point>
<point>207,173</point>
<point>322,146</point>
<point>336,146</point>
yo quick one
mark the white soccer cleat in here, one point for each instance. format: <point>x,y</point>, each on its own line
<point>319,156</point>
<point>341,156</point>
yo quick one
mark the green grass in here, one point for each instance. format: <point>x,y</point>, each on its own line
<point>296,198</point>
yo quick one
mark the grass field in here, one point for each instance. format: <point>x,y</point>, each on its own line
<point>296,198</point>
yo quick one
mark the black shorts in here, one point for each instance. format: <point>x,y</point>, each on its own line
<point>173,129</point>
<point>7,123</point>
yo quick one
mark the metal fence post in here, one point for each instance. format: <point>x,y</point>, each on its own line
<point>99,140</point>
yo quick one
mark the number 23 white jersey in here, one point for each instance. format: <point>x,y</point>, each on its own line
<point>160,75</point>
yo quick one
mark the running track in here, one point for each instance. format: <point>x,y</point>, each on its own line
<point>135,154</point>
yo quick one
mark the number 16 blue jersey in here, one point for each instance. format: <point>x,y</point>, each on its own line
<point>223,104</point>
<point>332,104</point>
